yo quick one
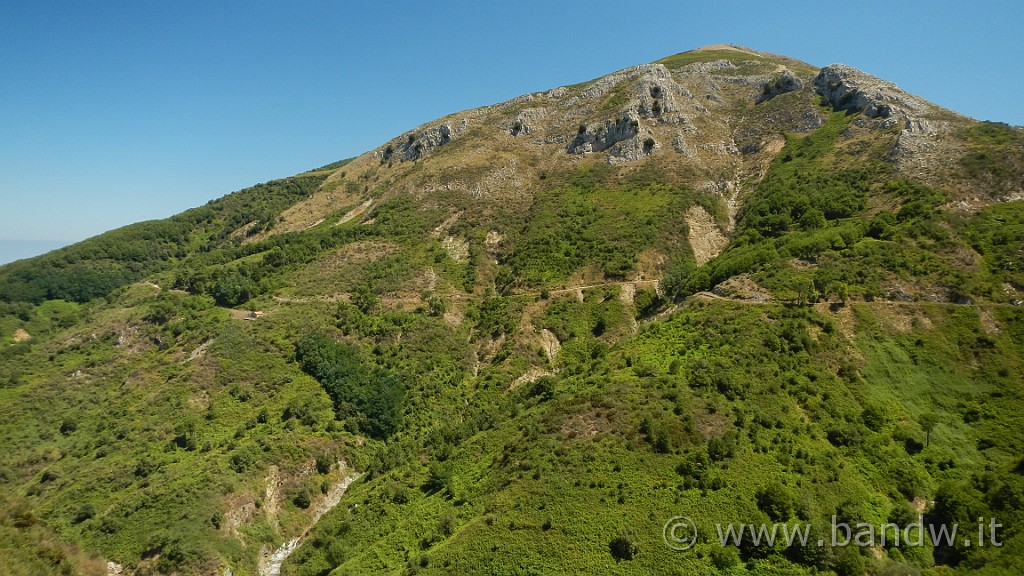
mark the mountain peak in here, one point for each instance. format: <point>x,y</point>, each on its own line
<point>735,54</point>
<point>722,110</point>
<point>733,47</point>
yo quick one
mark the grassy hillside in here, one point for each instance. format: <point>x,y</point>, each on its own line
<point>91,269</point>
<point>511,347</point>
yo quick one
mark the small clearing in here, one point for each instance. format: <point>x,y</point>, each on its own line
<point>199,351</point>
<point>550,343</point>
<point>706,238</point>
<point>443,227</point>
<point>530,376</point>
<point>458,248</point>
<point>627,292</point>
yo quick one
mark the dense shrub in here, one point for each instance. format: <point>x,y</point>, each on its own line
<point>775,501</point>
<point>623,546</point>
<point>353,385</point>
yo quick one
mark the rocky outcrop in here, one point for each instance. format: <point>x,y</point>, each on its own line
<point>847,88</point>
<point>600,137</point>
<point>626,139</point>
<point>415,146</point>
<point>651,72</point>
<point>709,67</point>
<point>781,84</point>
<point>918,151</point>
<point>658,95</point>
<point>656,90</point>
<point>526,120</point>
<point>706,238</point>
<point>701,113</point>
<point>633,149</point>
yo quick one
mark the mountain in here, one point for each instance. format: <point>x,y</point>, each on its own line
<point>727,286</point>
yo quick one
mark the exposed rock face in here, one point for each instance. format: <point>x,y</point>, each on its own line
<point>708,67</point>
<point>658,94</point>
<point>597,138</point>
<point>785,82</point>
<point>720,119</point>
<point>706,238</point>
<point>625,139</point>
<point>918,151</point>
<point>850,89</point>
<point>634,149</point>
<point>526,120</point>
<point>655,73</point>
<point>415,146</point>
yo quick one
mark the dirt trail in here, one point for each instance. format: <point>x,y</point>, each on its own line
<point>629,287</point>
<point>357,211</point>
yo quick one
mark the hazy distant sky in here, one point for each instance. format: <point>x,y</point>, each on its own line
<point>115,112</point>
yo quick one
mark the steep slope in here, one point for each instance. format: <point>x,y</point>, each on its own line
<point>726,285</point>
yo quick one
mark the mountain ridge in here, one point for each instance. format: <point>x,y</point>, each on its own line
<point>840,79</point>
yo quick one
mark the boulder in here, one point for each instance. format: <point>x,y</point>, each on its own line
<point>781,84</point>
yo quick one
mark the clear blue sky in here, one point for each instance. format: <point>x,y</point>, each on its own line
<point>115,112</point>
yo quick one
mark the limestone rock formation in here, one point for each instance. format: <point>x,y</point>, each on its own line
<point>781,84</point>
<point>626,139</point>
<point>417,145</point>
<point>600,137</point>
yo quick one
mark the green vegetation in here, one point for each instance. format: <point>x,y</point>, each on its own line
<point>373,394</point>
<point>515,394</point>
<point>591,220</point>
<point>996,155</point>
<point>739,58</point>
<point>733,56</point>
<point>805,210</point>
<point>757,425</point>
<point>91,269</point>
<point>800,193</point>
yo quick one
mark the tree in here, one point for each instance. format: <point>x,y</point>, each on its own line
<point>437,306</point>
<point>842,291</point>
<point>85,512</point>
<point>495,317</point>
<point>812,219</point>
<point>874,418</point>
<point>440,479</point>
<point>674,284</point>
<point>721,448</point>
<point>623,546</point>
<point>365,300</point>
<point>956,502</point>
<point>805,292</point>
<point>303,498</point>
<point>162,311</point>
<point>775,501</point>
<point>928,422</point>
